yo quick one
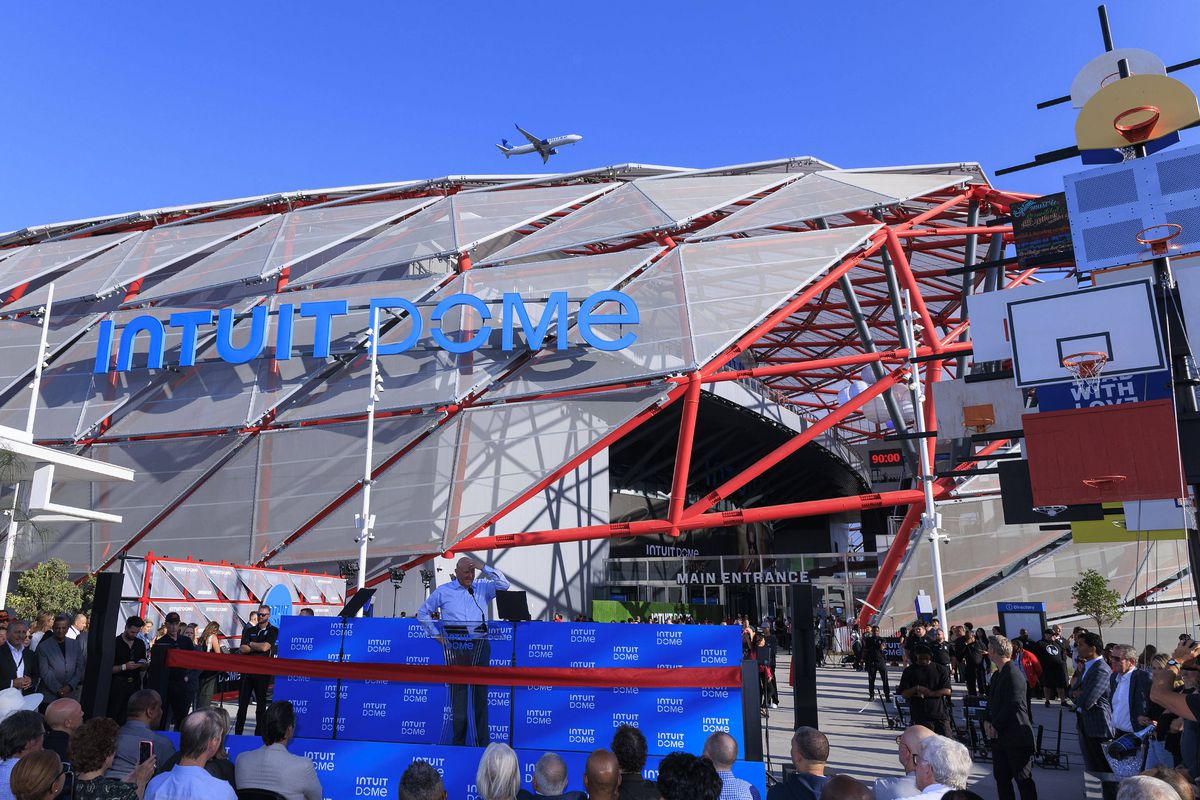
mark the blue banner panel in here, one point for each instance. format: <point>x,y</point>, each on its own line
<point>1111,391</point>
<point>310,638</point>
<point>672,720</point>
<point>373,769</point>
<point>613,644</point>
<point>313,699</point>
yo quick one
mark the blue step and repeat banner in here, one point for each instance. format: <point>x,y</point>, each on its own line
<point>381,722</point>
<point>349,769</point>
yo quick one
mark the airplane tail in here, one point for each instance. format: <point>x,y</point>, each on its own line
<point>504,148</point>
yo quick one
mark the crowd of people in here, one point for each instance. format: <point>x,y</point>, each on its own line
<point>1116,693</point>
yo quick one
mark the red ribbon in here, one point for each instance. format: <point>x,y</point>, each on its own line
<point>636,677</point>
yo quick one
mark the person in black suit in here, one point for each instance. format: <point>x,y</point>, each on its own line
<point>1093,708</point>
<point>171,682</point>
<point>873,657</point>
<point>1129,689</point>
<point>1008,725</point>
<point>129,666</point>
<point>18,663</point>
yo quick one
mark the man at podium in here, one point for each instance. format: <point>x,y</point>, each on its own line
<point>463,606</point>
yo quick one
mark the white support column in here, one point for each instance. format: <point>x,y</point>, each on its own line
<point>365,521</point>
<point>930,518</point>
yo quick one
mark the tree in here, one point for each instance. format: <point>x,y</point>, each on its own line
<point>46,587</point>
<point>1094,598</point>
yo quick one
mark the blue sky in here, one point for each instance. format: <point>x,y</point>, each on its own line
<point>128,107</point>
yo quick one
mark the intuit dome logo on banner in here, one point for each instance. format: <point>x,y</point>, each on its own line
<point>602,308</point>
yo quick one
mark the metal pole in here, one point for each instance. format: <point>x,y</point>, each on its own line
<point>10,541</point>
<point>929,516</point>
<point>365,521</point>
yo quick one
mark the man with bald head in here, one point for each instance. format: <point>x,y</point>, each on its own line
<point>721,749</point>
<point>62,717</point>
<point>909,745</point>
<point>602,776</point>
<point>463,607</point>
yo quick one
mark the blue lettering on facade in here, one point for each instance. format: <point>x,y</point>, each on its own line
<point>460,339</point>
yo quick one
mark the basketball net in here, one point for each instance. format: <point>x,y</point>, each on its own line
<point>1086,370</point>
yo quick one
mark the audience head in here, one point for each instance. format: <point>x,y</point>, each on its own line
<point>961,794</point>
<point>81,622</point>
<point>200,736</point>
<point>21,733</point>
<point>1143,787</point>
<point>37,776</point>
<point>550,775</point>
<point>999,647</point>
<point>64,714</point>
<point>144,705</point>
<point>308,612</point>
<point>279,723</point>
<point>843,787</point>
<point>93,745</point>
<point>499,773</point>
<point>18,633</point>
<point>682,776</point>
<point>909,743</point>
<point>629,746</point>
<point>132,626</point>
<point>59,628</point>
<point>264,616</point>
<point>810,750</point>
<point>1174,779</point>
<point>922,655</point>
<point>602,775</point>
<point>1123,658</point>
<point>721,749</point>
<point>942,760</point>
<point>421,782</point>
<point>1089,644</point>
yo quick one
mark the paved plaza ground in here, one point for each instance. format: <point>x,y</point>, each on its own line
<point>861,745</point>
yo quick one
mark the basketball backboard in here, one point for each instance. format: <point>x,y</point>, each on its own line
<point>1104,454</point>
<point>988,316</point>
<point>1136,109</point>
<point>1016,498</point>
<point>1119,320</point>
<point>1103,70</point>
<point>1110,205</point>
<point>965,407</point>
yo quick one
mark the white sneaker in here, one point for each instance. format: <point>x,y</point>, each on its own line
<point>774,705</point>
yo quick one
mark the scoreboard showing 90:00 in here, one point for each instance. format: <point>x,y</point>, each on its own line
<point>892,457</point>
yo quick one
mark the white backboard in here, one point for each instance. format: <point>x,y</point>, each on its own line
<point>951,397</point>
<point>1119,320</point>
<point>988,315</point>
<point>1103,70</point>
<point>1108,206</point>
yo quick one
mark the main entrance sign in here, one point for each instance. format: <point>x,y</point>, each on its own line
<point>513,314</point>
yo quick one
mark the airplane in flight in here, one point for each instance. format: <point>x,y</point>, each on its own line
<point>543,147</point>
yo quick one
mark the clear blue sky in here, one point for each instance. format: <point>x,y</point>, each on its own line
<point>113,108</point>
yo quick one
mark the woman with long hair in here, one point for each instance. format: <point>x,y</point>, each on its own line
<point>210,642</point>
<point>39,628</point>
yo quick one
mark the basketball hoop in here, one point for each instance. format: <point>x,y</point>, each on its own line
<point>979,418</point>
<point>1050,511</point>
<point>1158,236</point>
<point>1103,481</point>
<point>1135,124</point>
<point>1086,369</point>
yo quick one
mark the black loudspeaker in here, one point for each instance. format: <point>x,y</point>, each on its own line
<point>356,602</point>
<point>804,655</point>
<point>101,644</point>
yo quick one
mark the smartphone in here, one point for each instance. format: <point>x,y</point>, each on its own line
<point>145,751</point>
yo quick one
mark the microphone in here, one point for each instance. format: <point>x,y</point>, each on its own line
<point>471,591</point>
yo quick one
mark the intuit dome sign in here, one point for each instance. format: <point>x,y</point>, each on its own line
<point>605,308</point>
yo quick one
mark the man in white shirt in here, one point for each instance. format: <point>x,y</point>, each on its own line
<point>908,744</point>
<point>942,765</point>
<point>18,663</point>
<point>199,739</point>
<point>272,766</point>
<point>1130,690</point>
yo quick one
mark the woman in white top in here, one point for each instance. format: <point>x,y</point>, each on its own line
<point>210,642</point>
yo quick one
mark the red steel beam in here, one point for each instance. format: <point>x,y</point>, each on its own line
<point>683,451</point>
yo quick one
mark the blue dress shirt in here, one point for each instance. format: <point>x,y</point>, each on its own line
<point>457,606</point>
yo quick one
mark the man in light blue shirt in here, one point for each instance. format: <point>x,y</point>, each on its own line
<point>200,738</point>
<point>722,750</point>
<point>462,606</point>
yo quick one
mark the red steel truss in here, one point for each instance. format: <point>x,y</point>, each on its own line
<point>804,352</point>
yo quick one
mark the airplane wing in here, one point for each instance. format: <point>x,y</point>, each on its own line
<point>533,140</point>
<point>545,154</point>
